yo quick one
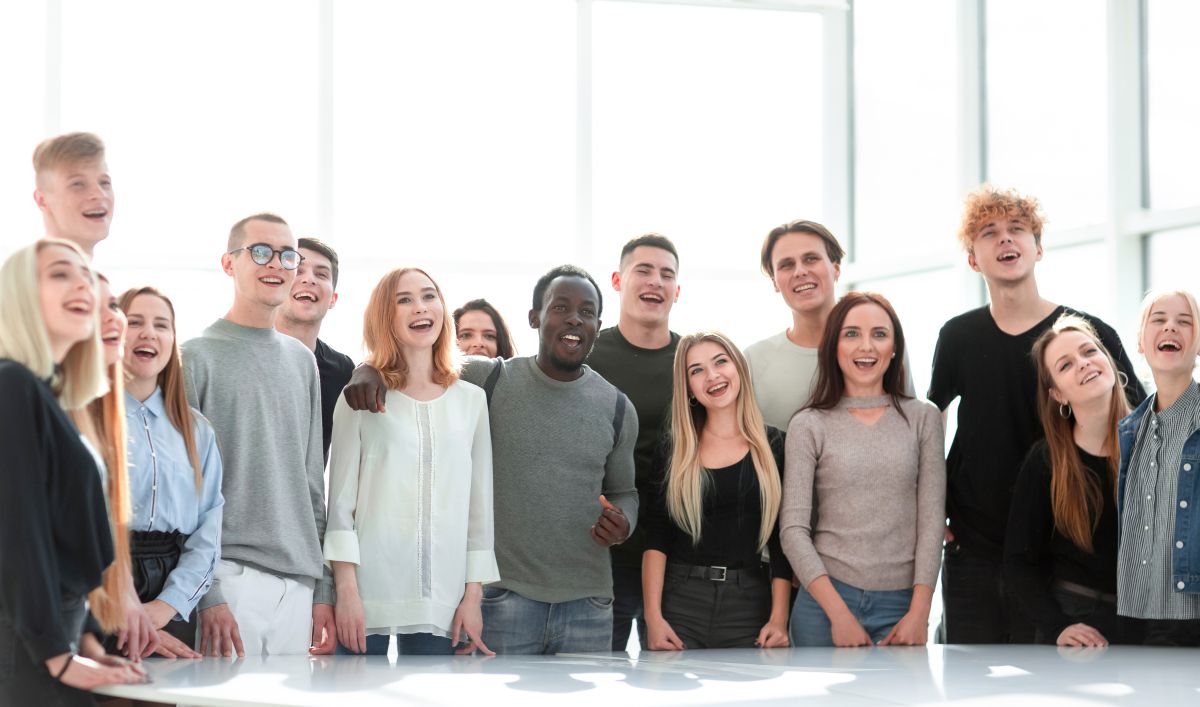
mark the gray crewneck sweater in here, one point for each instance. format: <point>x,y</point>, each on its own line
<point>865,504</point>
<point>552,456</point>
<point>260,390</point>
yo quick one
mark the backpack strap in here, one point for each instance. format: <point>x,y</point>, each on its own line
<point>489,385</point>
<point>618,418</point>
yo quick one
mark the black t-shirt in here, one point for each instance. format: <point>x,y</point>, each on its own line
<point>993,374</point>
<point>644,376</point>
<point>1035,553</point>
<point>334,369</point>
<point>55,539</point>
<point>731,519</point>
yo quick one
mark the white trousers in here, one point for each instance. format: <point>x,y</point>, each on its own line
<point>274,614</point>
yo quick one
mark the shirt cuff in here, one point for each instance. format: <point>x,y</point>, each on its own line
<point>481,566</point>
<point>177,601</point>
<point>341,546</point>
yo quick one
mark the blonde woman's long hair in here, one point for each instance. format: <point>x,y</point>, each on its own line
<point>385,353</point>
<point>1076,499</point>
<point>686,478</point>
<point>171,380</point>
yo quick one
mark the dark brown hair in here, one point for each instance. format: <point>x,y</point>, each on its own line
<point>504,344</point>
<point>832,247</point>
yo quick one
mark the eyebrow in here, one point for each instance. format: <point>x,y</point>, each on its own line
<point>645,264</point>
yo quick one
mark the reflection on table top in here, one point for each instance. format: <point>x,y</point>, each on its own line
<point>962,675</point>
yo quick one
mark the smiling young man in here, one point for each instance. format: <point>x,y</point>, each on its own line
<point>983,358</point>
<point>563,479</point>
<point>73,189</point>
<point>259,389</point>
<point>637,356</point>
<point>314,293</point>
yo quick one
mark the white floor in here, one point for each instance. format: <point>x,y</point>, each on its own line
<point>959,675</point>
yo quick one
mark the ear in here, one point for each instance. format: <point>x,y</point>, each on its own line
<point>333,300</point>
<point>971,261</point>
<point>1057,397</point>
<point>616,280</point>
<point>1039,249</point>
<point>227,264</point>
<point>837,271</point>
<point>677,293</point>
<point>535,319</point>
<point>39,199</point>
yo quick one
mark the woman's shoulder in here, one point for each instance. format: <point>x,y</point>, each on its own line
<point>20,383</point>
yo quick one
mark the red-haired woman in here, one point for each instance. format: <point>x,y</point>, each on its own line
<point>410,489</point>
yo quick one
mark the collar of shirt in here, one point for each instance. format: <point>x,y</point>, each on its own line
<point>153,404</point>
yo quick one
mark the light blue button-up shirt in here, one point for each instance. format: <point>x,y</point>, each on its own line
<point>162,487</point>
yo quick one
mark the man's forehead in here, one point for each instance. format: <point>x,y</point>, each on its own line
<point>66,170</point>
<point>315,258</point>
<point>275,233</point>
<point>652,256</point>
<point>570,285</point>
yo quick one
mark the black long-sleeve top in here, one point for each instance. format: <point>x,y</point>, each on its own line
<point>55,539</point>
<point>731,518</point>
<point>1035,553</point>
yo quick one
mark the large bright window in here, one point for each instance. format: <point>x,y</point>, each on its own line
<point>1173,57</point>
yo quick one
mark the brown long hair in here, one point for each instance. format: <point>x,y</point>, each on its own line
<point>171,380</point>
<point>686,479</point>
<point>384,351</point>
<point>1077,500</point>
<point>505,348</point>
<point>831,384</point>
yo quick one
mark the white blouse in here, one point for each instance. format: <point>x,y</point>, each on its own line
<point>410,502</point>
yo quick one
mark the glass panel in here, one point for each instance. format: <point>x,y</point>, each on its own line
<point>455,122</point>
<point>23,85</point>
<point>1173,55</point>
<point>906,128</point>
<point>1079,277</point>
<point>1171,259</point>
<point>209,115</point>
<point>706,127</point>
<point>1047,105</point>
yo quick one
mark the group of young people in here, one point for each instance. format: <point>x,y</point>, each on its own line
<point>174,497</point>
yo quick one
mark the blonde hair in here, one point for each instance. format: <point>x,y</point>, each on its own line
<point>171,380</point>
<point>1153,296</point>
<point>81,377</point>
<point>1076,499</point>
<point>385,353</point>
<point>686,478</point>
<point>68,149</point>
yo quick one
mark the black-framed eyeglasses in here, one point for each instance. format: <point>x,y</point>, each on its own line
<point>262,253</point>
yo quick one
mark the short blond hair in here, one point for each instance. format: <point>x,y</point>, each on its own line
<point>23,335</point>
<point>68,149</point>
<point>1154,296</point>
<point>988,203</point>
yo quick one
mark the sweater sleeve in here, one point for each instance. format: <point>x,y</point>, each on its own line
<point>1027,560</point>
<point>931,497</point>
<point>618,486</point>
<point>481,554</point>
<point>29,578</point>
<point>345,449</point>
<point>314,467</point>
<point>192,577</point>
<point>795,516</point>
<point>780,567</point>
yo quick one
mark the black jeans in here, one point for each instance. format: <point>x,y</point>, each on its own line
<point>627,606</point>
<point>24,681</point>
<point>1098,613</point>
<point>1173,632</point>
<point>709,614</point>
<point>153,555</point>
<point>977,607</point>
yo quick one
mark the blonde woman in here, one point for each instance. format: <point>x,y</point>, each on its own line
<point>715,511</point>
<point>410,488</point>
<point>1060,551</point>
<point>55,539</point>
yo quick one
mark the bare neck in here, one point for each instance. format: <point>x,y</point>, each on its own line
<point>645,336</point>
<point>722,422</point>
<point>141,388</point>
<point>808,327</point>
<point>1091,427</point>
<point>251,314</point>
<point>307,333</point>
<point>1168,388</point>
<point>1017,307</point>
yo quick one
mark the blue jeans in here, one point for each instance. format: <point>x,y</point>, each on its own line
<point>876,611</point>
<point>406,644</point>
<point>515,624</point>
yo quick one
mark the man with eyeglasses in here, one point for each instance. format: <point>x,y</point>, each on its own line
<point>260,390</point>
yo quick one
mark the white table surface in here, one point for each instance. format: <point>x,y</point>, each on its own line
<point>959,675</point>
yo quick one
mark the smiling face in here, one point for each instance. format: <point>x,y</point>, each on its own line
<point>312,294</point>
<point>419,311</point>
<point>712,376</point>
<point>112,325</point>
<point>1005,250</point>
<point>76,201</point>
<point>67,296</point>
<point>866,345</point>
<point>262,285</point>
<point>803,272</point>
<point>151,338</point>
<point>477,334</point>
<point>1079,368</point>
<point>566,324</point>
<point>647,285</point>
<point>1168,339</point>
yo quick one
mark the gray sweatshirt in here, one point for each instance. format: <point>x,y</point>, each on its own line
<point>553,454</point>
<point>260,390</point>
<point>865,504</point>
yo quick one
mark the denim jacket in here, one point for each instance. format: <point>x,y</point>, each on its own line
<point>1185,555</point>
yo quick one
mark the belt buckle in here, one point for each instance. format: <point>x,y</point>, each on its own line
<point>723,570</point>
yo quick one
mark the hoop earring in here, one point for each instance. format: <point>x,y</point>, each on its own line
<point>692,400</point>
<point>1064,411</point>
<point>1123,379</point>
